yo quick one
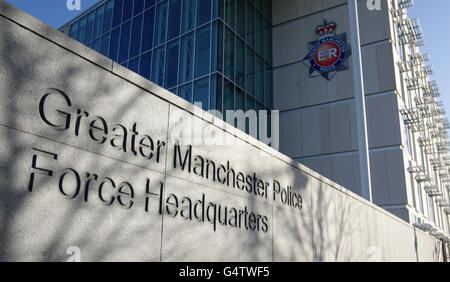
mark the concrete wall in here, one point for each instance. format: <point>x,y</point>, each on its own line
<point>324,136</point>
<point>45,209</point>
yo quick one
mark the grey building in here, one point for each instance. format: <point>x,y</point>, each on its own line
<point>407,133</point>
<point>250,55</point>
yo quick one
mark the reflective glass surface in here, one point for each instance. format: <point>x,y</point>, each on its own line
<point>218,52</point>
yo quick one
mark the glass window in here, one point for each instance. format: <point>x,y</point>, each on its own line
<point>217,47</point>
<point>172,64</point>
<point>185,92</point>
<point>268,10</point>
<point>149,3</point>
<point>203,11</point>
<point>267,42</point>
<point>250,70</point>
<point>188,15</point>
<point>187,57</point>
<point>251,123</point>
<point>259,79</point>
<point>134,65</point>
<point>89,27</point>
<point>214,44</point>
<point>98,21</point>
<point>230,12</point>
<point>107,20</point>
<point>229,54</point>
<point>259,34</point>
<point>269,124</point>
<point>259,4</point>
<point>127,10</point>
<point>240,18</point>
<point>147,37</point>
<point>81,30</point>
<point>138,7</point>
<point>158,66</point>
<point>145,65</point>
<point>228,97</point>
<point>161,23</point>
<point>117,19</point>
<point>250,24</point>
<point>218,9</point>
<point>249,103</point>
<point>268,89</point>
<point>240,63</point>
<point>175,19</point>
<point>259,108</point>
<point>104,47</point>
<point>202,50</point>
<point>114,47</point>
<point>173,90</point>
<point>201,92</point>
<point>216,93</point>
<point>240,99</point>
<point>240,105</point>
<point>74,30</point>
<point>136,36</point>
<point>124,42</point>
<point>96,45</point>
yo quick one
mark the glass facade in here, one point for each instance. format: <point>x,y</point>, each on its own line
<point>217,52</point>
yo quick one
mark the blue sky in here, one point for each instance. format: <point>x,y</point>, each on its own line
<point>52,12</point>
<point>432,15</point>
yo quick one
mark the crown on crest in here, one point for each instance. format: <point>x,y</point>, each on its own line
<point>327,29</point>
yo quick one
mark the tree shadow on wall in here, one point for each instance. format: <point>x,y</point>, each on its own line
<point>43,224</point>
<point>324,233</point>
